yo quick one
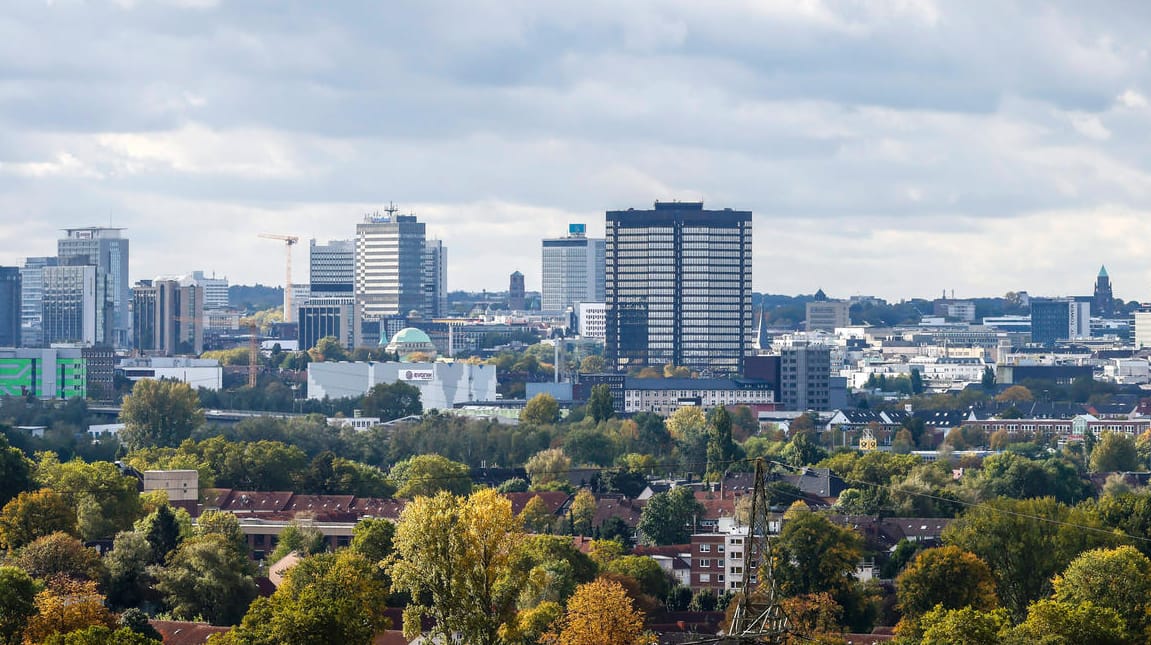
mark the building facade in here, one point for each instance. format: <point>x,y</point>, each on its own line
<point>389,265</point>
<point>332,269</point>
<point>1103,301</point>
<point>107,250</point>
<point>665,396</point>
<point>441,385</point>
<point>678,287</point>
<point>31,291</point>
<point>434,279</point>
<point>196,372</point>
<point>332,316</point>
<point>516,291</point>
<point>824,314</point>
<point>215,289</point>
<point>11,307</point>
<point>1059,319</point>
<point>167,318</point>
<point>73,310</point>
<point>592,320</point>
<point>573,270</point>
<point>43,373</point>
<point>805,377</point>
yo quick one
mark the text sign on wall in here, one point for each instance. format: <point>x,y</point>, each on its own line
<point>416,375</point>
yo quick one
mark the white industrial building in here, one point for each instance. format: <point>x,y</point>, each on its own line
<point>441,385</point>
<point>196,372</point>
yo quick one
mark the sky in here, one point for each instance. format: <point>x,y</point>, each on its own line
<point>894,148</point>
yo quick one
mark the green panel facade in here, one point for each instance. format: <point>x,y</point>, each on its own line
<point>18,376</point>
<point>71,378</point>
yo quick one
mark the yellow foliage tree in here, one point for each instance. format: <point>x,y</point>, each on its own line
<point>66,605</point>
<point>599,612</point>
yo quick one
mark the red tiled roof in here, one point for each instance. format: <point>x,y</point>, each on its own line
<point>320,503</point>
<point>626,509</point>
<point>183,633</point>
<point>553,500</point>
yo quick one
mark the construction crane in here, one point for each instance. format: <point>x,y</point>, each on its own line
<point>758,617</point>
<point>289,240</point>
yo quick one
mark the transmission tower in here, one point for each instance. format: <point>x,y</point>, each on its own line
<point>758,618</point>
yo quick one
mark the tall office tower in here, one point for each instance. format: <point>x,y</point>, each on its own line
<point>332,268</point>
<point>516,292</point>
<point>805,377</point>
<point>215,289</point>
<point>1103,303</point>
<point>107,250</point>
<point>167,318</point>
<point>31,279</point>
<point>11,307</point>
<point>434,279</point>
<point>389,265</point>
<point>1056,319</point>
<point>678,287</point>
<point>573,270</point>
<point>329,316</point>
<point>72,310</point>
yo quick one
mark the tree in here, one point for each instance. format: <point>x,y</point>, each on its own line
<point>128,579</point>
<point>591,446</point>
<point>224,524</point>
<point>162,532</point>
<point>15,471</point>
<point>105,500</point>
<point>17,603</point>
<point>304,540</point>
<point>392,401</point>
<point>1058,623</point>
<point>372,538</point>
<point>987,382</point>
<point>328,348</point>
<point>103,635</point>
<point>946,576</point>
<point>60,555</point>
<point>67,605</point>
<point>813,555</point>
<point>429,474</point>
<point>592,365</point>
<point>328,598</point>
<point>1118,579</point>
<point>599,612</point>
<point>686,420</point>
<point>159,413</point>
<point>1115,452</point>
<point>542,409</point>
<point>206,578</point>
<point>720,447</point>
<point>536,517</point>
<point>554,568</point>
<point>1015,393</point>
<point>546,466</point>
<point>669,517</point>
<point>601,404</point>
<point>965,626</point>
<point>652,579</point>
<point>33,515</point>
<point>454,556</point>
<point>916,382</point>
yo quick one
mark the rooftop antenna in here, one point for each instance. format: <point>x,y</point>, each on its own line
<point>391,210</point>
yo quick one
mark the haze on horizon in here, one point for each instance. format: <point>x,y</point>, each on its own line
<point>893,148</point>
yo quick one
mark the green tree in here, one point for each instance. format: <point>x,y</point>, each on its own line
<point>304,540</point>
<point>15,471</point>
<point>33,515</point>
<point>1057,623</point>
<point>373,538</point>
<point>162,531</point>
<point>225,525</point>
<point>429,474</point>
<point>60,555</point>
<point>1118,579</point>
<point>328,598</point>
<point>106,501</point>
<point>988,380</point>
<point>965,626</point>
<point>652,579</point>
<point>17,603</point>
<point>547,466</point>
<point>601,405</point>
<point>128,579</point>
<point>542,409</point>
<point>159,413</point>
<point>1115,452</point>
<point>206,579</point>
<point>554,568</point>
<point>328,348</point>
<point>102,635</point>
<point>455,557</point>
<point>946,576</point>
<point>721,449</point>
<point>393,401</point>
<point>582,512</point>
<point>813,555</point>
<point>669,517</point>
<point>592,365</point>
<point>536,517</point>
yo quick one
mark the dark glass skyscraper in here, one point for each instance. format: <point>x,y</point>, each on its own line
<point>678,287</point>
<point>10,306</point>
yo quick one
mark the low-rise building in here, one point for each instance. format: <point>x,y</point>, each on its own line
<point>196,372</point>
<point>56,373</point>
<point>665,396</point>
<point>441,384</point>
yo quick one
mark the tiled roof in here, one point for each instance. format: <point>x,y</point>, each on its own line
<point>553,500</point>
<point>185,633</point>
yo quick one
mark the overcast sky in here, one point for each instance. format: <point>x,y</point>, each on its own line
<point>888,148</point>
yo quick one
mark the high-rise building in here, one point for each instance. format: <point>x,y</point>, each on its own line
<point>72,311</point>
<point>31,289</point>
<point>434,279</point>
<point>215,289</point>
<point>336,317</point>
<point>1103,303</point>
<point>516,291</point>
<point>11,307</point>
<point>332,268</point>
<point>107,250</point>
<point>825,314</point>
<point>573,270</point>
<point>168,318</point>
<point>805,377</point>
<point>1056,319</point>
<point>678,287</point>
<point>389,265</point>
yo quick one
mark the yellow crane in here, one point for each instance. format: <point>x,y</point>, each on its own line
<point>289,240</point>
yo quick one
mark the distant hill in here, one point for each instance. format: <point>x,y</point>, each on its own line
<point>255,297</point>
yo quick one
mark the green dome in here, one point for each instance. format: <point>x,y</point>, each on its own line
<point>411,335</point>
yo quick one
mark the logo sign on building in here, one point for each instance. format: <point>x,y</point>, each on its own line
<point>416,375</point>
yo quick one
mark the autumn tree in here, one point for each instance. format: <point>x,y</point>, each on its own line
<point>1015,393</point>
<point>652,578</point>
<point>1118,579</point>
<point>159,413</point>
<point>33,515</point>
<point>328,348</point>
<point>946,576</point>
<point>1115,452</point>
<point>454,556</point>
<point>669,517</point>
<point>592,365</point>
<point>686,420</point>
<point>547,466</point>
<point>582,512</point>
<point>429,474</point>
<point>536,517</point>
<point>206,578</point>
<point>106,501</point>
<point>60,555</point>
<point>66,605</point>
<point>542,409</point>
<point>1058,623</point>
<point>17,603</point>
<point>599,612</point>
<point>965,626</point>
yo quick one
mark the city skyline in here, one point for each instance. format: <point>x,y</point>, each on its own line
<point>889,149</point>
